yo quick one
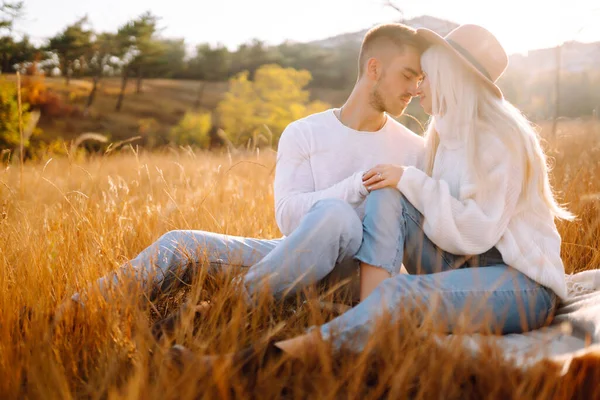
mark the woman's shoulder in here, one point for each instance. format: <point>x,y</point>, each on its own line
<point>492,144</point>
<point>494,152</point>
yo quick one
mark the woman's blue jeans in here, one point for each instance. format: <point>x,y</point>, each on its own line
<point>445,287</point>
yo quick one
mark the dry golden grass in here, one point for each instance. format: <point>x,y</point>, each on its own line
<point>73,220</point>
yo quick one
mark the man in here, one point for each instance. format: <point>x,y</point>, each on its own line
<point>319,193</point>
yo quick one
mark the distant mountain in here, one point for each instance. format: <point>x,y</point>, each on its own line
<point>437,25</point>
<point>575,56</point>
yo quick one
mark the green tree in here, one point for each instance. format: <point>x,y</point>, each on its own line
<point>72,46</point>
<point>103,49</point>
<point>138,48</point>
<point>317,60</point>
<point>251,56</point>
<point>10,11</point>
<point>150,49</point>
<point>13,53</point>
<point>169,61</point>
<point>211,64</point>
<point>253,110</point>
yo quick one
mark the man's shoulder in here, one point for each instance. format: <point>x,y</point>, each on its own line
<point>396,128</point>
<point>301,130</point>
<point>311,121</point>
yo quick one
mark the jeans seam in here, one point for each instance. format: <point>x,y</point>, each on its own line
<point>490,291</point>
<point>407,214</point>
<point>399,245</point>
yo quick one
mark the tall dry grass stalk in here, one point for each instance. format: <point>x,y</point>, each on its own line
<point>78,220</point>
<point>21,141</point>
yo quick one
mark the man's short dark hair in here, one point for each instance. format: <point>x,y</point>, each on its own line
<point>395,34</point>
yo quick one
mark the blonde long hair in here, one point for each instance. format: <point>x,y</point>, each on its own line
<point>469,109</point>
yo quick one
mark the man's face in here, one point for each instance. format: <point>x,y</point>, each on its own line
<point>398,82</point>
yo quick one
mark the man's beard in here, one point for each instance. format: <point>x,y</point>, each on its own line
<point>376,100</point>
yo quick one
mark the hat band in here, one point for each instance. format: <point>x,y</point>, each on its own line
<point>470,58</point>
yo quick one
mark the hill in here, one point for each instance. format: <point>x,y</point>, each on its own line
<point>160,106</point>
<point>438,25</point>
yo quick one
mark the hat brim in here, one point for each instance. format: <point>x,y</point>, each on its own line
<point>433,38</point>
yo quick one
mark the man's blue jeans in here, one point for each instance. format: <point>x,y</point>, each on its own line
<point>323,246</point>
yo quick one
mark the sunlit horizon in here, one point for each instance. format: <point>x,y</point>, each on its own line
<point>519,25</point>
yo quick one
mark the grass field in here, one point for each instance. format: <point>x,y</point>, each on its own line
<point>66,221</point>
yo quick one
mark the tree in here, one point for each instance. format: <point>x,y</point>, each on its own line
<point>275,98</point>
<point>14,53</point>
<point>318,60</point>
<point>137,48</point>
<point>24,51</point>
<point>148,59</point>
<point>149,48</point>
<point>103,49</point>
<point>250,56</point>
<point>7,48</point>
<point>10,11</point>
<point>211,64</point>
<point>344,66</point>
<point>71,46</point>
<point>169,62</point>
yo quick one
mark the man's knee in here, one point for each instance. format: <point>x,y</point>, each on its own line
<point>171,237</point>
<point>188,239</point>
<point>386,195</point>
<point>176,245</point>
<point>387,203</point>
<point>339,218</point>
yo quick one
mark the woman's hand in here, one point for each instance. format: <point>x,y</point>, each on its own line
<point>382,176</point>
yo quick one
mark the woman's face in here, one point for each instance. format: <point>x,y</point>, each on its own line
<point>424,93</point>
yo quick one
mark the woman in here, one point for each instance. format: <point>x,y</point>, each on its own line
<point>475,228</point>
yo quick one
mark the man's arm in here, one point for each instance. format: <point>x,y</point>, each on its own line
<point>294,185</point>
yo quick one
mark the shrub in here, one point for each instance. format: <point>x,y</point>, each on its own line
<point>266,105</point>
<point>10,135</point>
<point>192,129</point>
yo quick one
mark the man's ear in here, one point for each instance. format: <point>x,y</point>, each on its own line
<point>373,68</point>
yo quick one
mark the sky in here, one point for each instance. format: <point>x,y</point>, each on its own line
<point>520,25</point>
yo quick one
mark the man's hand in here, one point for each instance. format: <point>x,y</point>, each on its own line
<point>383,176</point>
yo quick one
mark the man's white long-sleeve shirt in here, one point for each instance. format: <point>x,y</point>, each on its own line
<point>318,157</point>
